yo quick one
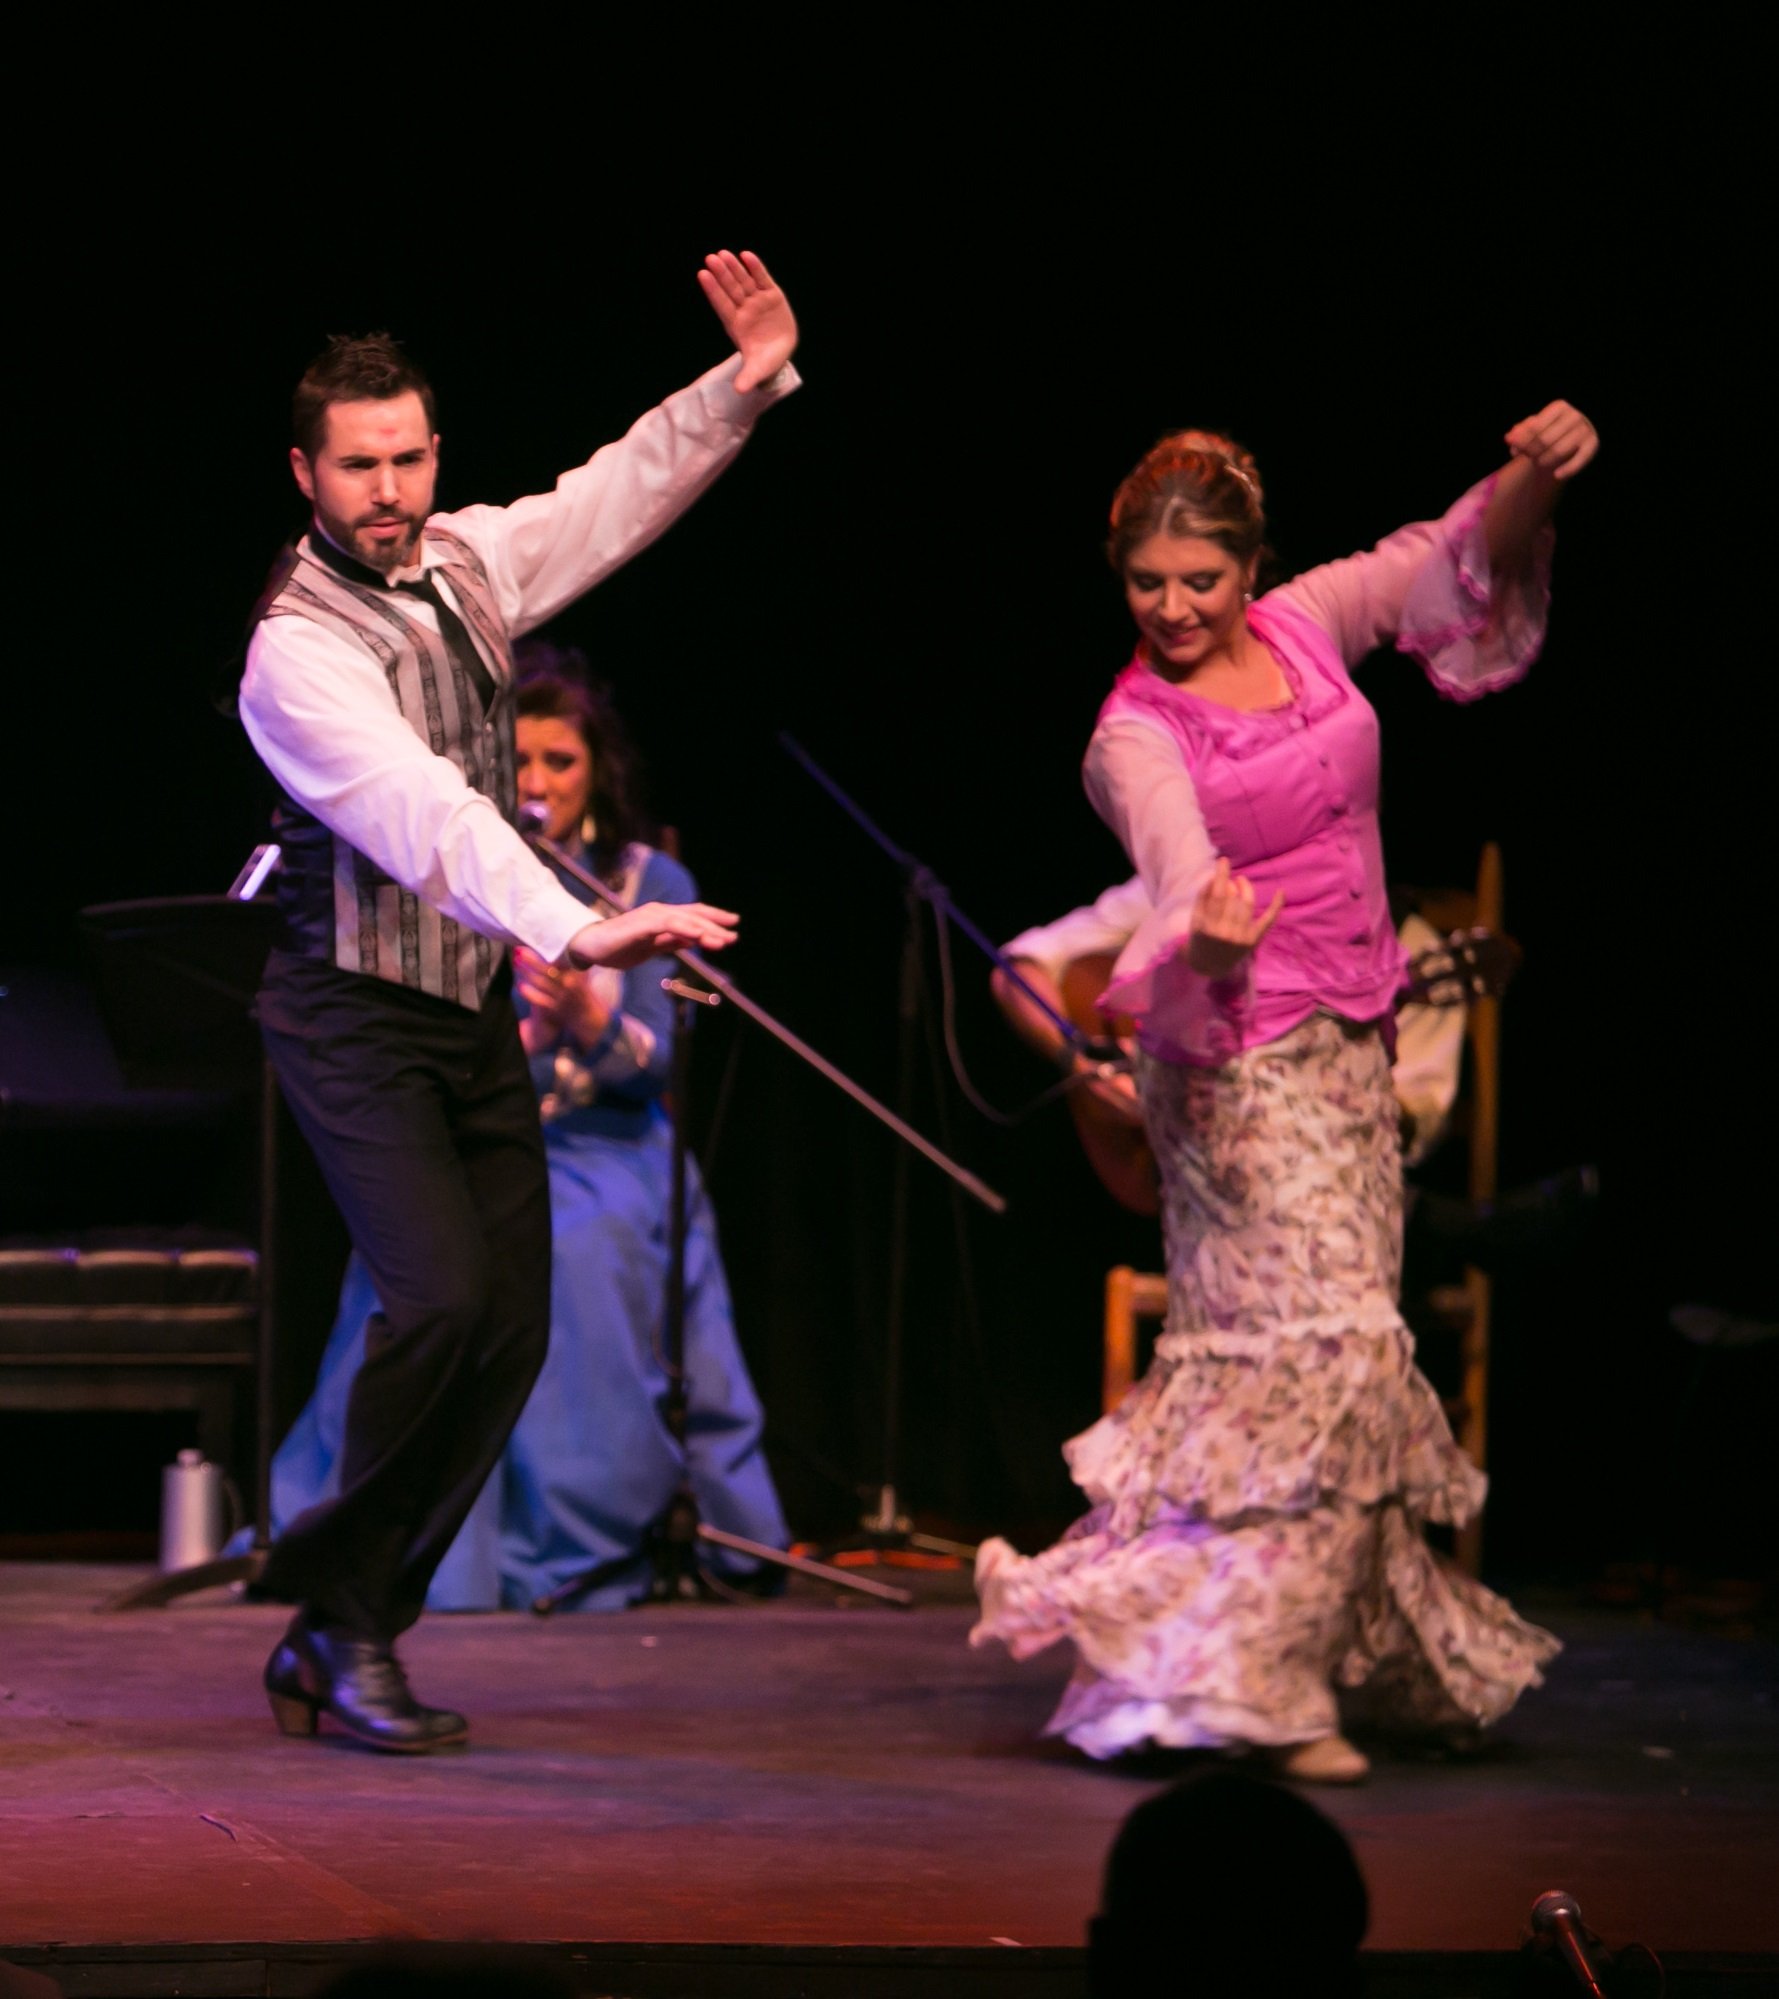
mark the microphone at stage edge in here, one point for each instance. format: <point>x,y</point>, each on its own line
<point>1556,1918</point>
<point>534,816</point>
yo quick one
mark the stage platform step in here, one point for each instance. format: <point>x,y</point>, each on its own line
<point>679,1971</point>
<point>805,1796</point>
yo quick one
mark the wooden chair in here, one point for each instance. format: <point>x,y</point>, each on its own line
<point>1130,1295</point>
<point>1133,1296</point>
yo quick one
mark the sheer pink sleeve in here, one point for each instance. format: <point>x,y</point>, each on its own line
<point>1140,786</point>
<point>1429,588</point>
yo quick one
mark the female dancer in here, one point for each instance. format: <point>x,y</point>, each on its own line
<point>1255,1534</point>
<point>591,1465</point>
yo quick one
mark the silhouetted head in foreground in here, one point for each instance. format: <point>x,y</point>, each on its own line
<point>1227,1883</point>
<point>446,1971</point>
<point>19,1984</point>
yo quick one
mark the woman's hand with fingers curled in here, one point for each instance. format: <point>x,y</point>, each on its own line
<point>1224,926</point>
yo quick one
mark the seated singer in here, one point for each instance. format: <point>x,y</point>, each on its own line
<point>378,692</point>
<point>591,1465</point>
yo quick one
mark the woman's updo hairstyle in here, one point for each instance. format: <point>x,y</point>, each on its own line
<point>555,681</point>
<point>1193,482</point>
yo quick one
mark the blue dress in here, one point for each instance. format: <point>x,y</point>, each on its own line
<point>591,1464</point>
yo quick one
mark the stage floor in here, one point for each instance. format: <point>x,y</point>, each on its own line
<point>801,1775</point>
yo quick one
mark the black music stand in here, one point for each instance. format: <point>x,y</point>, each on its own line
<point>177,978</point>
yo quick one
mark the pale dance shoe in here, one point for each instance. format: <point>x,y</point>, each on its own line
<point>1329,1759</point>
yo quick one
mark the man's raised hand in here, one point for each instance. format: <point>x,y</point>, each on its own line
<point>755,313</point>
<point>650,929</point>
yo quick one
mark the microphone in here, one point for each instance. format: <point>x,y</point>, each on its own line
<point>534,816</point>
<point>1556,1919</point>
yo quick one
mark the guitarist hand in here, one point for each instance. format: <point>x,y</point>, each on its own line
<point>1224,926</point>
<point>1468,965</point>
<point>1113,1088</point>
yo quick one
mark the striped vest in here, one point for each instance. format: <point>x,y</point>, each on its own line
<point>335,903</point>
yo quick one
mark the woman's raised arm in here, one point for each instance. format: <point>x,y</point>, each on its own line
<point>1547,449</point>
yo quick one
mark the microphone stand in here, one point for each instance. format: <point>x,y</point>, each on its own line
<point>1556,1925</point>
<point>672,1543</point>
<point>889,1527</point>
<point>924,886</point>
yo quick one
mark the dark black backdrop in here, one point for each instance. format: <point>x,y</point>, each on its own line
<point>903,570</point>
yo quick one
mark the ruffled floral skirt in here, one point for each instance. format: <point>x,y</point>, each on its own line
<point>1257,1499</point>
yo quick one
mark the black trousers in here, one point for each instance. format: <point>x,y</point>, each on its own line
<point>423,1120</point>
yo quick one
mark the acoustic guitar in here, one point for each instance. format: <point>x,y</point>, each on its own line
<point>1468,965</point>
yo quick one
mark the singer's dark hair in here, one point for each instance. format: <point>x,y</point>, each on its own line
<point>1228,1883</point>
<point>354,368</point>
<point>555,680</point>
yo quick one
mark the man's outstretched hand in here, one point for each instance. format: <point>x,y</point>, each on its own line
<point>755,313</point>
<point>650,929</point>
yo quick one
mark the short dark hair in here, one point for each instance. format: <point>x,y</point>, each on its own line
<point>353,368</point>
<point>1229,1883</point>
<point>452,1971</point>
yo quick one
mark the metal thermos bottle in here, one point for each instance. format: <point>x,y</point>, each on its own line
<point>191,1511</point>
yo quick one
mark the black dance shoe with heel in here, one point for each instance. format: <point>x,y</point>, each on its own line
<point>361,1685</point>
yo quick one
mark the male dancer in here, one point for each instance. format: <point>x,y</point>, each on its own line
<point>379,694</point>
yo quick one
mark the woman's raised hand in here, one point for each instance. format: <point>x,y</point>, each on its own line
<point>651,928</point>
<point>1224,926</point>
<point>1559,440</point>
<point>755,313</point>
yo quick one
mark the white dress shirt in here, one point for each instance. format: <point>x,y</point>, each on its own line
<point>1104,925</point>
<point>1429,1053</point>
